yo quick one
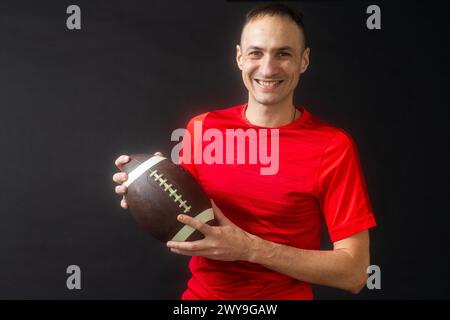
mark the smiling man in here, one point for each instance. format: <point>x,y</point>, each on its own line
<point>267,243</point>
<point>272,55</point>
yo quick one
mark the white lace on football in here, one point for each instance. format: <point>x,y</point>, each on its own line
<point>177,198</point>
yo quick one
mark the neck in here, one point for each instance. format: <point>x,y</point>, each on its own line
<point>271,116</point>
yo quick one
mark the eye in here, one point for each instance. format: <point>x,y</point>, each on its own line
<point>284,54</point>
<point>255,54</point>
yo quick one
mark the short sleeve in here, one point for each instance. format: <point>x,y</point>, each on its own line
<point>343,196</point>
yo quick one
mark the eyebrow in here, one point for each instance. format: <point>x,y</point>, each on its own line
<point>284,48</point>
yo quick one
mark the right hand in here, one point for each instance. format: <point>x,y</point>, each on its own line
<point>121,177</point>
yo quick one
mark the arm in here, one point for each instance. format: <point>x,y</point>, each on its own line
<point>343,267</point>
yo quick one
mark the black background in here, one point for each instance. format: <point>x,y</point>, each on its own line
<point>72,101</point>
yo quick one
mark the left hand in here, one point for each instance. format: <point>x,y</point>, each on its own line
<point>226,242</point>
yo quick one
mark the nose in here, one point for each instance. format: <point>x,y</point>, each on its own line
<point>268,67</point>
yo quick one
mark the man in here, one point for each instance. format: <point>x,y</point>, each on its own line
<point>267,244</point>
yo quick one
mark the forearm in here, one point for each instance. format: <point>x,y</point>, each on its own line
<point>335,268</point>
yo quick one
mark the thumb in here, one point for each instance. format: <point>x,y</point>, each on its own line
<point>218,214</point>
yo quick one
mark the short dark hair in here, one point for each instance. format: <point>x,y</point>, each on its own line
<point>277,9</point>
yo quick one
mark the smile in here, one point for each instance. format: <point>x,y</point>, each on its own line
<point>268,84</point>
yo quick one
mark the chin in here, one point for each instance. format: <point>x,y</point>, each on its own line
<point>267,100</point>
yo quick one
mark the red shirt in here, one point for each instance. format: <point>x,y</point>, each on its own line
<point>319,178</point>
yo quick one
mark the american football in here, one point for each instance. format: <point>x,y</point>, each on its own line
<point>158,191</point>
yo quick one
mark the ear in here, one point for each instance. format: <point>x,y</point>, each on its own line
<point>305,60</point>
<point>239,56</point>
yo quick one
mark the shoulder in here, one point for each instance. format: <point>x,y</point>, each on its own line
<point>330,136</point>
<point>340,150</point>
<point>341,140</point>
<point>217,114</point>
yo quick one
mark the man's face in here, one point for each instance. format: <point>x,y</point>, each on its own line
<point>271,58</point>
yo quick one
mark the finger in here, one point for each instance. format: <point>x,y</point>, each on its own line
<point>120,161</point>
<point>121,189</point>
<point>198,245</point>
<point>120,177</point>
<point>123,203</point>
<point>196,224</point>
<point>202,253</point>
<point>158,154</point>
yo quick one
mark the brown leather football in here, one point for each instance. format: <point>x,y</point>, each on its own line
<point>158,191</point>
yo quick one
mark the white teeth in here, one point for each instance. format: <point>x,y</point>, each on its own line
<point>268,84</point>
